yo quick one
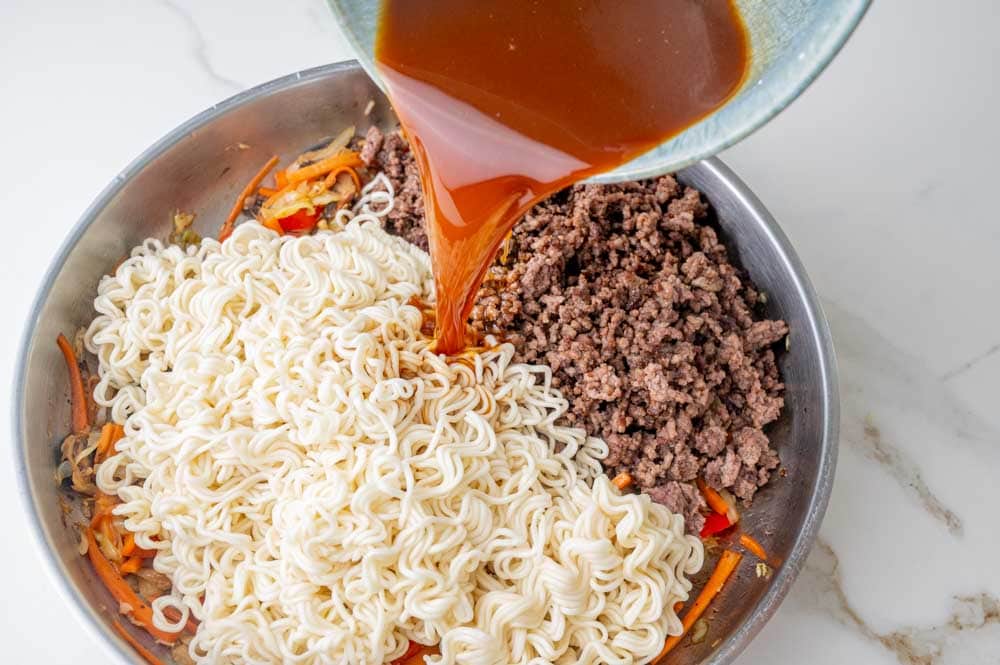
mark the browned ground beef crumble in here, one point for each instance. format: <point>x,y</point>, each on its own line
<point>627,294</point>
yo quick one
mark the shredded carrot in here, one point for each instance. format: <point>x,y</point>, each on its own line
<point>714,499</point>
<point>752,546</point>
<point>103,503</point>
<point>227,226</point>
<point>331,179</point>
<point>136,644</point>
<point>138,610</point>
<point>267,191</point>
<point>324,166</point>
<point>78,397</point>
<point>412,649</point>
<point>417,657</point>
<point>104,443</point>
<point>128,545</point>
<point>678,606</point>
<point>280,179</point>
<point>339,163</point>
<point>274,225</point>
<point>278,194</point>
<point>622,481</point>
<point>356,178</point>
<point>110,434</point>
<point>173,614</point>
<point>110,533</point>
<point>131,565</point>
<point>131,549</point>
<point>727,564</point>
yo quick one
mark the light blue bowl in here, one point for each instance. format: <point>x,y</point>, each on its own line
<point>791,42</point>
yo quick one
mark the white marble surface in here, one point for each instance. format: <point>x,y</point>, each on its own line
<point>883,174</point>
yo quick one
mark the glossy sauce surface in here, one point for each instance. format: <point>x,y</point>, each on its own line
<point>505,103</point>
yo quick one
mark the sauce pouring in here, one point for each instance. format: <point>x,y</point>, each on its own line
<point>506,103</point>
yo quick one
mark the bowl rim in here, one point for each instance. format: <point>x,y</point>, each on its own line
<point>784,88</point>
<point>819,334</point>
<point>701,140</point>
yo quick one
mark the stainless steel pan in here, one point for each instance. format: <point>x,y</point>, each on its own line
<point>202,165</point>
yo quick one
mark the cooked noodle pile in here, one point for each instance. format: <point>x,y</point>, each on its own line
<point>321,487</point>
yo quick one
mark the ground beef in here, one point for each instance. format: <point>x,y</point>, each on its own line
<point>391,155</point>
<point>652,334</point>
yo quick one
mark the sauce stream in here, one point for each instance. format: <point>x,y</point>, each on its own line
<point>504,103</point>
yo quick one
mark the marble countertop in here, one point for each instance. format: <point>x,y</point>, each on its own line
<point>883,174</point>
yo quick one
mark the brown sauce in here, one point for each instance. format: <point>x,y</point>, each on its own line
<point>505,103</point>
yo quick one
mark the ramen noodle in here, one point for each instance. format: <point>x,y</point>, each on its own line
<point>321,487</point>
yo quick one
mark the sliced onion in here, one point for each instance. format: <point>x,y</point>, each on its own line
<point>324,199</point>
<point>316,187</point>
<point>83,546</point>
<point>63,471</point>
<point>332,148</point>
<point>344,186</point>
<point>732,513</point>
<point>698,631</point>
<point>85,453</point>
<point>108,549</point>
<point>281,213</point>
<point>311,194</point>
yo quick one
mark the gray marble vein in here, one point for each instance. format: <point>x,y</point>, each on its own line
<point>876,371</point>
<point>911,645</point>
<point>969,364</point>
<point>907,473</point>
<point>200,50</point>
<point>876,374</point>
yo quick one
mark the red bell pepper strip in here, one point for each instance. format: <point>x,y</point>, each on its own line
<point>715,523</point>
<point>412,649</point>
<point>300,222</point>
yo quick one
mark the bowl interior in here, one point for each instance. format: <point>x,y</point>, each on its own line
<point>200,168</point>
<point>791,42</point>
